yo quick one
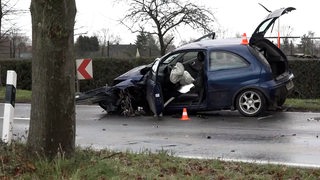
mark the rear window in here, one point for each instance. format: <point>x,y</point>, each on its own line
<point>264,26</point>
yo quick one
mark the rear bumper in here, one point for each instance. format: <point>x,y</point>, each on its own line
<point>281,89</point>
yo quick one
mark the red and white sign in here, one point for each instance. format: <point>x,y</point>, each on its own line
<point>84,68</point>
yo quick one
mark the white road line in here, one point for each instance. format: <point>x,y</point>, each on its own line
<point>257,161</point>
<point>20,118</point>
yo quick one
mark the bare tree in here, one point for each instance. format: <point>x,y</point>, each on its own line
<point>286,45</point>
<point>147,44</point>
<point>52,124</point>
<point>7,14</point>
<point>307,44</point>
<point>18,43</point>
<point>164,16</point>
<point>106,38</point>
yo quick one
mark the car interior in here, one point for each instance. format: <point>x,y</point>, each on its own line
<point>193,62</point>
<point>274,57</point>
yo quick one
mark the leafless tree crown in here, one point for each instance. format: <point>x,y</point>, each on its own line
<point>162,16</point>
<point>8,13</point>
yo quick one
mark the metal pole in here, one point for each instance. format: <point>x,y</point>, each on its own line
<point>78,85</point>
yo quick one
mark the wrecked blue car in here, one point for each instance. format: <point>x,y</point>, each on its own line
<point>251,76</point>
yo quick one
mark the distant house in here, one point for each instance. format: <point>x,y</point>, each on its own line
<point>121,51</point>
<point>129,51</point>
<point>7,50</point>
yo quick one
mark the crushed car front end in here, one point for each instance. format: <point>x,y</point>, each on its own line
<point>126,96</point>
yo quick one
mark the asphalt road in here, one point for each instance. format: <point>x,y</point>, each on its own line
<point>290,138</point>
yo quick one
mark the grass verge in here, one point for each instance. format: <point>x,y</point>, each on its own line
<point>21,95</point>
<point>105,164</point>
<point>303,105</point>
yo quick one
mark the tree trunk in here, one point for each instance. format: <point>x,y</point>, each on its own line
<point>52,124</point>
<point>162,45</point>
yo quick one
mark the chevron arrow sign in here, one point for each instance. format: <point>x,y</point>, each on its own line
<point>84,68</point>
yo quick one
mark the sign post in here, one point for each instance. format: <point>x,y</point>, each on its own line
<point>9,106</point>
<point>84,70</point>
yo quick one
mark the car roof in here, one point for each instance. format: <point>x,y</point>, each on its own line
<point>212,43</point>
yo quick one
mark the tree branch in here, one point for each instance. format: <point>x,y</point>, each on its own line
<point>164,16</point>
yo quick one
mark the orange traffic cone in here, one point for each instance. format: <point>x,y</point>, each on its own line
<point>244,39</point>
<point>184,115</point>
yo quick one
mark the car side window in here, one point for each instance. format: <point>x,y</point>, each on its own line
<point>226,60</point>
<point>183,57</point>
<point>190,56</point>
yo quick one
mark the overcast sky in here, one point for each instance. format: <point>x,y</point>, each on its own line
<point>233,16</point>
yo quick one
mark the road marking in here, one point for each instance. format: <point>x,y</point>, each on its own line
<point>256,161</point>
<point>19,118</point>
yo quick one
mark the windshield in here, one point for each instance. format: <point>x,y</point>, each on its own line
<point>170,58</point>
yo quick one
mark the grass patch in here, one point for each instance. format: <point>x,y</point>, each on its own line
<point>21,95</point>
<point>303,104</point>
<point>105,164</point>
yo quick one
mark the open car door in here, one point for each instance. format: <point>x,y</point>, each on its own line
<point>267,23</point>
<point>154,90</point>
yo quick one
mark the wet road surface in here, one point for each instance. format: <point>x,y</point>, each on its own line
<point>280,137</point>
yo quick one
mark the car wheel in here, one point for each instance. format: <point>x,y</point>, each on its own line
<point>127,107</point>
<point>251,103</point>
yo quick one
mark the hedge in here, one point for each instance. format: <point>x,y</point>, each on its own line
<point>307,74</point>
<point>307,78</point>
<point>104,71</point>
<point>23,70</point>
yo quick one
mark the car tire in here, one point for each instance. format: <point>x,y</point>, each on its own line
<point>126,107</point>
<point>251,103</point>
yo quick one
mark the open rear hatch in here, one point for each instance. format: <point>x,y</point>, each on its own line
<point>275,57</point>
<point>268,22</point>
